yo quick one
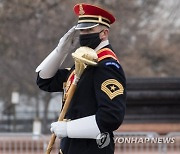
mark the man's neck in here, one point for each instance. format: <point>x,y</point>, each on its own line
<point>101,45</point>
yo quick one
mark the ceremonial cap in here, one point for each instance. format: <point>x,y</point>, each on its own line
<point>90,16</point>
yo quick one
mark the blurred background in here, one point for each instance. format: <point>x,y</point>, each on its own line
<point>145,37</point>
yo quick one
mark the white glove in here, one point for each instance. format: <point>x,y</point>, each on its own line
<point>52,62</point>
<point>59,128</point>
<point>66,41</point>
<point>80,128</point>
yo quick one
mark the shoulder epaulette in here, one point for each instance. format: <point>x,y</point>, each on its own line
<point>106,53</point>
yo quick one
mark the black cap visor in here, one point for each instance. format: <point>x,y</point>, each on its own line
<point>86,25</point>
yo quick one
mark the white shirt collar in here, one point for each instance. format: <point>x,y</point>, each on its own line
<point>101,45</point>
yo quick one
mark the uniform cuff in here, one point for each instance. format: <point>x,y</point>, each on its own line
<point>83,128</point>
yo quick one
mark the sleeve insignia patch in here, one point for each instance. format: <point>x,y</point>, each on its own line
<point>112,88</point>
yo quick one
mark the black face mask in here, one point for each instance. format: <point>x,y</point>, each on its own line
<point>90,40</point>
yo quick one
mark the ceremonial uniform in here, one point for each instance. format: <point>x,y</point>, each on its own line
<point>101,91</point>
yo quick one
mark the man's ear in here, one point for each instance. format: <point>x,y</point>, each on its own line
<point>104,34</point>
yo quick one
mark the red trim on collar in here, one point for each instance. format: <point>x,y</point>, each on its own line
<point>106,53</point>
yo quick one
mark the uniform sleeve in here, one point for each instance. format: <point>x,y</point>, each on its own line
<point>54,84</point>
<point>110,89</point>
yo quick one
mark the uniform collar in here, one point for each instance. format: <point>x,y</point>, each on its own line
<point>101,45</point>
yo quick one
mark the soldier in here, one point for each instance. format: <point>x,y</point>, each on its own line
<point>98,104</point>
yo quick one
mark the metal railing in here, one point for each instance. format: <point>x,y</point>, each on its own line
<point>125,143</point>
<point>15,143</point>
